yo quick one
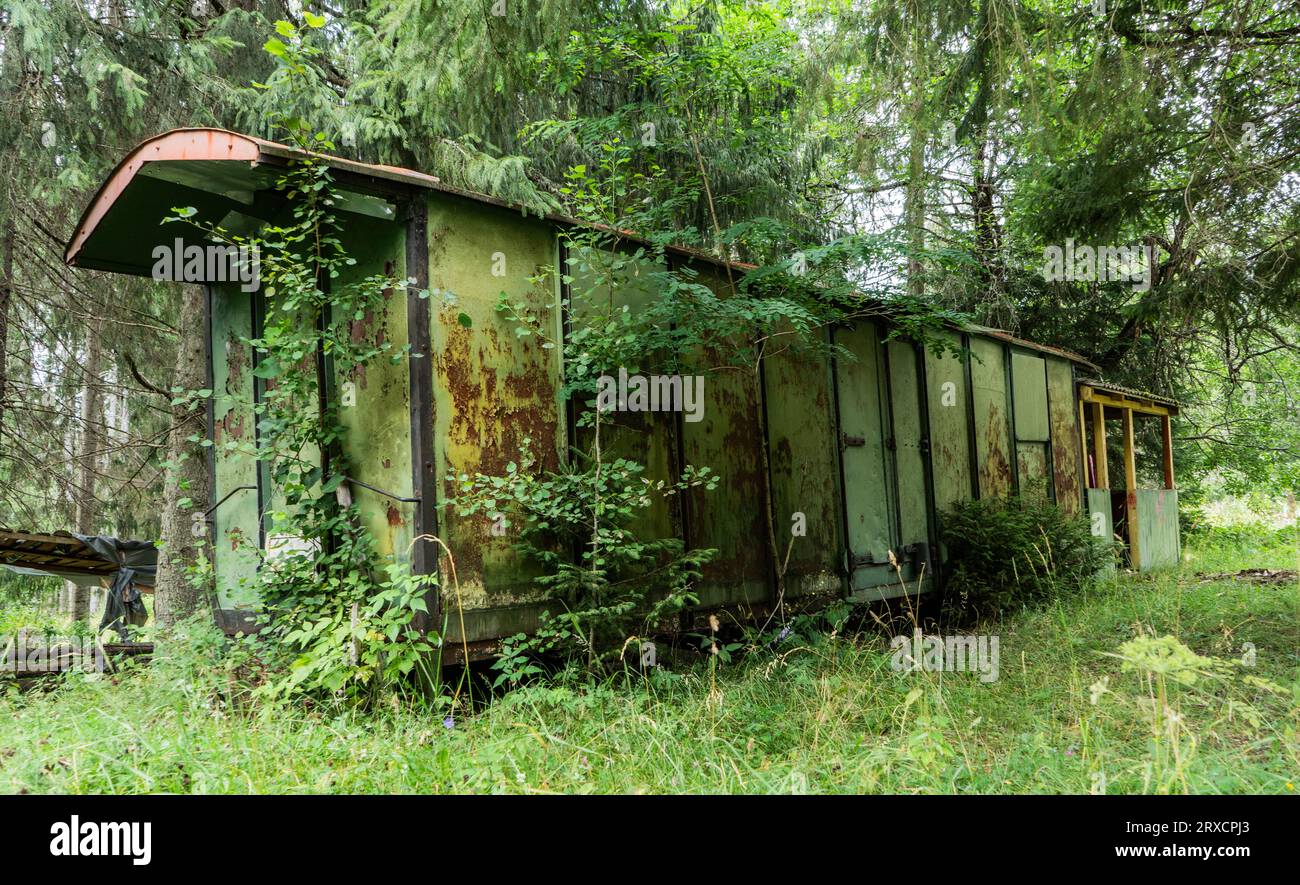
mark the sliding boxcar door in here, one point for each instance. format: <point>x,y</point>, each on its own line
<point>866,461</point>
<point>911,448</point>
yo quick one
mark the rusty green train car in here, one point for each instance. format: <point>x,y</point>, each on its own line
<point>863,453</point>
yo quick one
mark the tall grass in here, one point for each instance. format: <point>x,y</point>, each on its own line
<point>829,715</point>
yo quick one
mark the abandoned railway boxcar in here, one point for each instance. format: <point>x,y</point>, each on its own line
<point>868,450</point>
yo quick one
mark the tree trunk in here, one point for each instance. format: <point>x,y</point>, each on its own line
<point>184,540</point>
<point>914,198</point>
<point>6,287</point>
<point>92,420</point>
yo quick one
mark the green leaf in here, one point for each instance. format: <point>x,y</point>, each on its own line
<point>313,20</point>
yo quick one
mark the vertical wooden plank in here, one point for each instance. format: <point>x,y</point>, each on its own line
<point>1089,479</point>
<point>1130,491</point>
<point>1099,445</point>
<point>1167,432</point>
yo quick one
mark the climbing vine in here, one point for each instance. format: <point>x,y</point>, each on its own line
<point>345,617</point>
<point>630,308</point>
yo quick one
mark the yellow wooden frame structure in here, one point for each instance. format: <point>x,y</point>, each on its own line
<point>1100,397</point>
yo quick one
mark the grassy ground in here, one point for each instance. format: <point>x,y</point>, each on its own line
<point>826,716</point>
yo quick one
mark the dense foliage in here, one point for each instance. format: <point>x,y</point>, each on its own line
<point>926,153</point>
<point>1006,554</point>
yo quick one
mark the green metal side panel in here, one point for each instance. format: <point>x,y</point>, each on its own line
<point>1158,540</point>
<point>1033,431</point>
<point>235,522</point>
<point>1063,412</point>
<point>603,282</point>
<point>908,434</point>
<point>869,491</point>
<point>949,425</point>
<point>377,442</point>
<point>992,431</point>
<point>732,518</point>
<point>1101,520</point>
<point>1029,381</point>
<point>492,389</point>
<point>1032,468</point>
<point>276,514</point>
<point>805,469</point>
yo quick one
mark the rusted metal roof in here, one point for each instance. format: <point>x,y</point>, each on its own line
<point>224,146</point>
<point>1130,392</point>
<point>1001,335</point>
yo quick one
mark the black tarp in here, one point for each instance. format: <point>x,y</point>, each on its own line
<point>137,563</point>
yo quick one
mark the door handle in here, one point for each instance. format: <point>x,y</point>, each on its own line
<point>846,440</point>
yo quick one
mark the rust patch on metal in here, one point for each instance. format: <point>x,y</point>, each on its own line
<point>236,362</point>
<point>501,392</point>
<point>230,427</point>
<point>996,467</point>
<point>731,518</point>
<point>367,331</point>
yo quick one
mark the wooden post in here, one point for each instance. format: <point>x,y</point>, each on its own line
<point>1167,431</point>
<point>1130,491</point>
<point>1083,447</point>
<point>1099,445</point>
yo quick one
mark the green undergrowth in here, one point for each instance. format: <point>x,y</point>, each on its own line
<point>1076,708</point>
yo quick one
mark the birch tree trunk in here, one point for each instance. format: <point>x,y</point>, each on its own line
<point>184,540</point>
<point>92,421</point>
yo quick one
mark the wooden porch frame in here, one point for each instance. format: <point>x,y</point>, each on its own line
<point>1128,405</point>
